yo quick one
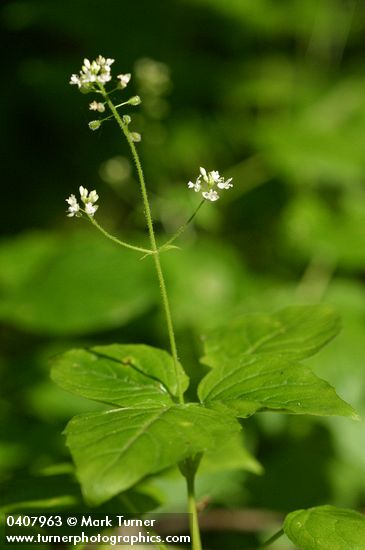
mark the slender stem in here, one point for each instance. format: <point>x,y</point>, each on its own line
<point>154,247</point>
<point>134,510</point>
<point>188,468</point>
<point>183,227</point>
<point>193,514</point>
<point>114,239</point>
<point>271,539</point>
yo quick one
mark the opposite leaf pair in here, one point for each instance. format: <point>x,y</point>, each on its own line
<point>253,368</point>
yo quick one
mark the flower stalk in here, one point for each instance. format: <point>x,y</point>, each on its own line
<point>93,77</point>
<point>154,247</point>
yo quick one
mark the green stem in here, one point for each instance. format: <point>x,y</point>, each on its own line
<point>155,251</point>
<point>193,515</point>
<point>134,510</point>
<point>118,241</point>
<point>188,468</point>
<point>271,539</point>
<point>183,227</point>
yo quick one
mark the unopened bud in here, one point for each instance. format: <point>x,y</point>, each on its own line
<point>135,100</point>
<point>136,136</point>
<point>94,124</point>
<point>126,119</point>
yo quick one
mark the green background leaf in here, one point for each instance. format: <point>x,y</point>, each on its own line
<point>295,332</point>
<point>72,284</point>
<point>326,528</point>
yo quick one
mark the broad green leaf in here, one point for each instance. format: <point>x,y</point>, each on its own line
<point>115,449</point>
<point>295,332</point>
<point>251,383</point>
<point>72,284</point>
<point>326,528</point>
<point>124,375</point>
<point>153,362</point>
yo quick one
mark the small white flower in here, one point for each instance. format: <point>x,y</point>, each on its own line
<point>203,173</point>
<point>97,71</point>
<point>89,200</point>
<point>207,182</point>
<point>196,186</point>
<point>83,193</point>
<point>214,174</point>
<point>74,207</point>
<point>211,195</point>
<point>97,106</point>
<point>124,80</point>
<point>224,184</point>
<point>75,80</point>
<point>90,209</point>
<point>93,197</point>
<point>87,197</point>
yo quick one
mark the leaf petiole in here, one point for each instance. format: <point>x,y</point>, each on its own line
<point>272,539</point>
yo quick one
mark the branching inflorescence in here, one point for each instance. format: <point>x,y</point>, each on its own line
<point>92,78</point>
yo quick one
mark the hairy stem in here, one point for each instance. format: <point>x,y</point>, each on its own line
<point>155,250</point>
<point>118,241</point>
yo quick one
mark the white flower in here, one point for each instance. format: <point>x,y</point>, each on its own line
<point>93,197</point>
<point>207,182</point>
<point>97,71</point>
<point>124,79</point>
<point>83,193</point>
<point>222,184</point>
<point>95,106</point>
<point>196,186</point>
<point>90,209</point>
<point>89,200</point>
<point>210,195</point>
<point>87,197</point>
<point>74,207</point>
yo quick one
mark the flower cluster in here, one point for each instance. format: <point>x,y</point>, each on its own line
<point>89,200</point>
<point>207,182</point>
<point>97,71</point>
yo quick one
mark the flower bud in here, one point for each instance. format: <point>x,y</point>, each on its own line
<point>94,124</point>
<point>126,119</point>
<point>135,100</point>
<point>136,137</point>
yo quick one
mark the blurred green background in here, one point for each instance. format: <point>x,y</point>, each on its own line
<point>269,93</point>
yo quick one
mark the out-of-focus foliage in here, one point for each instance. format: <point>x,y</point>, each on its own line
<point>271,94</point>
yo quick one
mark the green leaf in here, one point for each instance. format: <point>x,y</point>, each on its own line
<point>251,383</point>
<point>115,449</point>
<point>71,284</point>
<point>326,528</point>
<point>232,455</point>
<point>124,375</point>
<point>295,332</point>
